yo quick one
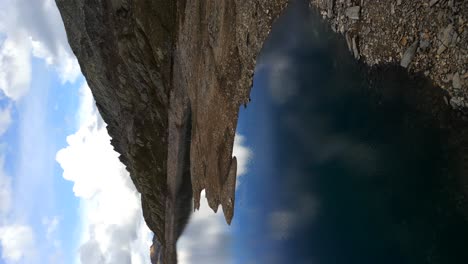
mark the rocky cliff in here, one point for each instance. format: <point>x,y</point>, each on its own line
<point>168,78</point>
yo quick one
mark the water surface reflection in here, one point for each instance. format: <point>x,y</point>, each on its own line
<point>351,164</point>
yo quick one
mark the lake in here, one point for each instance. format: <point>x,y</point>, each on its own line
<point>350,164</point>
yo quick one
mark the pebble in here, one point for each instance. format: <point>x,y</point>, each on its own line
<point>349,42</point>
<point>455,39</point>
<point>433,2</point>
<point>409,54</point>
<point>456,82</point>
<point>403,41</point>
<point>451,4</point>
<point>355,49</point>
<point>448,78</point>
<point>353,12</point>
<point>330,8</point>
<point>366,31</point>
<point>446,38</point>
<point>457,102</point>
<point>424,44</point>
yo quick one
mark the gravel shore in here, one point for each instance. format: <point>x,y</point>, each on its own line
<point>424,36</point>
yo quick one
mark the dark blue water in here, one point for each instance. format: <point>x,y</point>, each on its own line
<point>351,164</point>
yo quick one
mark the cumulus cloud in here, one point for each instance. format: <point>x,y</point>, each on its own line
<point>32,28</point>
<point>113,229</point>
<point>17,242</point>
<point>15,65</point>
<point>90,252</point>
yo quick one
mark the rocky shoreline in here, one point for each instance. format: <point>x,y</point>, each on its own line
<point>425,36</point>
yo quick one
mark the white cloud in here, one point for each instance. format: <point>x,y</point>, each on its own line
<point>32,28</point>
<point>15,65</point>
<point>243,155</point>
<point>5,119</point>
<point>17,242</point>
<point>113,229</point>
<point>90,252</point>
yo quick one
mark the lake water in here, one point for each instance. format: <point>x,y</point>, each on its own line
<point>351,164</point>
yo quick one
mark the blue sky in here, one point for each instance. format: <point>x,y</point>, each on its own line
<point>41,121</point>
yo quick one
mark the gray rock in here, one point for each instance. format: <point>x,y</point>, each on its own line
<point>456,81</point>
<point>424,44</point>
<point>353,12</point>
<point>330,4</point>
<point>409,54</point>
<point>457,102</point>
<point>355,49</point>
<point>349,42</point>
<point>433,2</point>
<point>446,38</point>
<point>455,39</point>
<point>448,78</point>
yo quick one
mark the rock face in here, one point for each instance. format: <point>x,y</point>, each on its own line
<point>214,60</point>
<point>125,52</point>
<point>168,78</point>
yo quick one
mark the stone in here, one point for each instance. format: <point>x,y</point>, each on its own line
<point>353,12</point>
<point>409,54</point>
<point>330,4</point>
<point>457,102</point>
<point>355,48</point>
<point>349,42</point>
<point>433,2</point>
<point>424,44</point>
<point>445,38</point>
<point>456,81</point>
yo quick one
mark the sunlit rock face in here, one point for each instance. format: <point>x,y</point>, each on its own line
<point>168,78</point>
